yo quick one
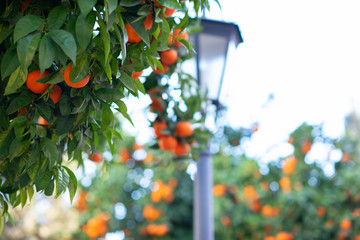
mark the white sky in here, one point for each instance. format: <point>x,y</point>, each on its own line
<point>307,53</point>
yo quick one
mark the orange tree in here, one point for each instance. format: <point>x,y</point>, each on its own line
<point>65,68</point>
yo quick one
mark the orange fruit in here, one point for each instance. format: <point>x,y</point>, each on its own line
<point>321,211</point>
<point>345,224</point>
<point>267,211</point>
<point>124,155</point>
<point>357,237</point>
<point>169,12</point>
<point>42,121</point>
<point>158,127</point>
<point>159,71</point>
<point>132,35</point>
<point>225,221</point>
<point>136,75</point>
<point>306,146</point>
<point>184,35</point>
<point>181,149</point>
<point>167,143</point>
<point>285,184</point>
<point>96,157</point>
<point>289,165</point>
<point>148,22</point>
<point>184,129</point>
<point>148,158</point>
<point>34,86</point>
<point>56,94</point>
<point>168,57</point>
<point>284,236</point>
<point>137,146</point>
<point>219,190</point>
<point>80,84</point>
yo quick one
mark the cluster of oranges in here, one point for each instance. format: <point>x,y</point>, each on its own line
<point>150,213</point>
<point>125,153</point>
<point>154,230</point>
<point>96,226</point>
<point>163,191</point>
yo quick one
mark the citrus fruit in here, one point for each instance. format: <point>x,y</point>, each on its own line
<point>80,84</point>
<point>184,35</point>
<point>345,224</point>
<point>42,121</point>
<point>184,129</point>
<point>56,94</point>
<point>132,35</point>
<point>168,57</point>
<point>159,71</point>
<point>148,22</point>
<point>136,75</point>
<point>158,127</point>
<point>96,157</point>
<point>169,12</point>
<point>167,143</point>
<point>181,149</point>
<point>34,86</point>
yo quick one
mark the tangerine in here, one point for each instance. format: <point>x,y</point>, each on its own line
<point>42,121</point>
<point>158,127</point>
<point>181,149</point>
<point>80,84</point>
<point>132,35</point>
<point>167,143</point>
<point>184,129</point>
<point>169,12</point>
<point>148,22</point>
<point>136,75</point>
<point>36,87</point>
<point>345,224</point>
<point>184,35</point>
<point>159,71</point>
<point>96,157</point>
<point>56,94</point>
<point>168,57</point>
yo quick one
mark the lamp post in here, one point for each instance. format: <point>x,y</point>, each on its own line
<point>211,45</point>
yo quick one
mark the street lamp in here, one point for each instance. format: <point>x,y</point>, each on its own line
<point>211,46</point>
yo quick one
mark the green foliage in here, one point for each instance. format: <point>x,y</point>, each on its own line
<point>91,37</point>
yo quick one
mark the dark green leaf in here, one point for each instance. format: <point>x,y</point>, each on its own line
<point>64,105</point>
<point>45,111</point>
<point>81,70</point>
<point>86,6</point>
<point>19,124</point>
<point>72,183</point>
<point>26,25</point>
<point>24,180</point>
<point>34,156</point>
<point>42,180</point>
<point>80,108</point>
<point>17,79</point>
<point>47,53</point>
<point>122,35</point>
<point>57,17</point>
<point>9,62</point>
<point>66,42</point>
<point>129,3</point>
<point>127,81</point>
<point>26,49</point>
<point>62,181</point>
<point>64,124</point>
<point>24,99</point>
<point>84,29</point>
<point>5,34</point>
<point>172,4</point>
<point>109,94</point>
<point>49,188</point>
<point>140,86</point>
<point>49,149</point>
<point>123,110</point>
<point>107,117</point>
<point>54,77</point>
<point>139,28</point>
<point>106,39</point>
<point>111,5</point>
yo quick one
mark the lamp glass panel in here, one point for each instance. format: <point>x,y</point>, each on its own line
<point>212,54</point>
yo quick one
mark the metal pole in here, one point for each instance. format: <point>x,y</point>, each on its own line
<point>203,198</point>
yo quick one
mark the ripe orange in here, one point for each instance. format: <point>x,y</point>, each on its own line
<point>136,75</point>
<point>284,236</point>
<point>184,35</point>
<point>267,211</point>
<point>168,57</point>
<point>132,35</point>
<point>184,129</point>
<point>80,84</point>
<point>96,157</point>
<point>181,149</point>
<point>148,22</point>
<point>219,190</point>
<point>124,155</point>
<point>42,121</point>
<point>345,224</point>
<point>225,221</point>
<point>34,86</point>
<point>306,146</point>
<point>159,71</point>
<point>158,127</point>
<point>56,94</point>
<point>289,165</point>
<point>169,12</point>
<point>167,143</point>
<point>321,211</point>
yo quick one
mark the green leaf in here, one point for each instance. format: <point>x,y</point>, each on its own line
<point>62,181</point>
<point>23,197</point>
<point>64,105</point>
<point>54,77</point>
<point>84,29</point>
<point>26,49</point>
<point>81,70</point>
<point>57,17</point>
<point>30,192</point>
<point>109,94</point>
<point>122,35</point>
<point>50,151</point>
<point>19,125</point>
<point>107,117</point>
<point>172,4</point>
<point>129,3</point>
<point>86,6</point>
<point>127,81</point>
<point>66,42</point>
<point>26,25</point>
<point>49,188</point>
<point>9,62</point>
<point>123,110</point>
<point>42,180</point>
<point>106,39</point>
<point>2,224</point>
<point>34,156</point>
<point>139,28</point>
<point>45,111</point>
<point>24,180</point>
<point>4,35</point>
<point>24,99</point>
<point>64,124</point>
<point>140,86</point>
<point>111,5</point>
<point>72,186</point>
<point>47,53</point>
<point>17,79</point>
